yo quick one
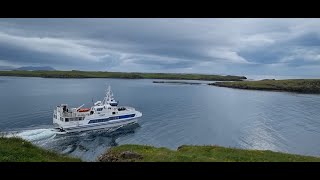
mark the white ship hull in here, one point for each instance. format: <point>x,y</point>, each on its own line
<point>98,126</point>
<point>99,122</point>
<point>103,115</point>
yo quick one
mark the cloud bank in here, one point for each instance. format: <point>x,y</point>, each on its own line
<point>213,46</point>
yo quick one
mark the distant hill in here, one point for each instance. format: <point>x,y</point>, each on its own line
<point>6,68</point>
<point>34,68</point>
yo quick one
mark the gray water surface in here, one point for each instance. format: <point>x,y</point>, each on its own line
<point>173,115</point>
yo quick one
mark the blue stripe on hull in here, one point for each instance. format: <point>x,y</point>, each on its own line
<point>111,118</point>
<point>99,124</point>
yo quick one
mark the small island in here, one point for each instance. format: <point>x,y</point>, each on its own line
<point>142,153</point>
<point>178,82</point>
<point>123,75</point>
<point>311,86</point>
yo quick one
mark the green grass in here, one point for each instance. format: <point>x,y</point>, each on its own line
<point>18,150</point>
<point>206,154</point>
<point>292,85</point>
<point>99,74</point>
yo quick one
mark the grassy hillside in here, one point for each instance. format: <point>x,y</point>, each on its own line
<point>97,74</point>
<point>185,153</point>
<point>18,150</point>
<point>292,85</point>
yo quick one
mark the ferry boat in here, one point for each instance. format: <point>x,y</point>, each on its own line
<point>102,115</point>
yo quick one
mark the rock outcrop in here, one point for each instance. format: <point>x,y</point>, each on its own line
<point>126,156</point>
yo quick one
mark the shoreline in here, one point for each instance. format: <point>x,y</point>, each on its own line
<point>193,153</point>
<point>303,86</point>
<point>120,75</point>
<point>177,82</point>
<point>28,152</point>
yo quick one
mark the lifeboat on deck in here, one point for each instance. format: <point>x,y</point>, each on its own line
<point>84,110</point>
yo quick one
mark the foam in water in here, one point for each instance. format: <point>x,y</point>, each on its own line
<point>35,135</point>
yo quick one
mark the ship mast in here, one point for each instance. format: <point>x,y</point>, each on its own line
<point>109,95</point>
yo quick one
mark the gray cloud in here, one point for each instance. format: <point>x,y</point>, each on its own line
<point>227,46</point>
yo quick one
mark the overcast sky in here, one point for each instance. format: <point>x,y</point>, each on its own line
<point>213,46</point>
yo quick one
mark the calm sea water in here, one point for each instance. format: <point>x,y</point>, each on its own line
<point>173,115</point>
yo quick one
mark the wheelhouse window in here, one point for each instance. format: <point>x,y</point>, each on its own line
<point>99,109</point>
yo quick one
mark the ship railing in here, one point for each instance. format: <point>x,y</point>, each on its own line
<point>72,114</point>
<point>127,107</point>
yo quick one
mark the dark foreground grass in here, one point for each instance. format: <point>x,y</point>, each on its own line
<point>18,150</point>
<point>292,85</point>
<point>201,154</point>
<point>100,74</point>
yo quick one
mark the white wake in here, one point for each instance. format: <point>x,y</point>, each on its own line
<point>34,135</point>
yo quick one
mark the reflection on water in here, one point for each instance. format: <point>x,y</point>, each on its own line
<point>87,145</point>
<point>173,115</point>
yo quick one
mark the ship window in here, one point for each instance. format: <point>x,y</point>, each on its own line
<point>113,112</point>
<point>99,109</point>
<point>67,119</point>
